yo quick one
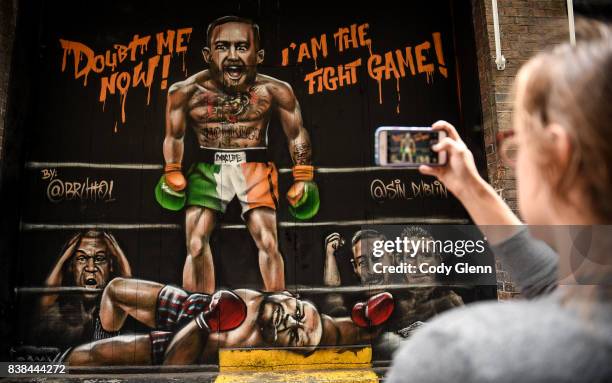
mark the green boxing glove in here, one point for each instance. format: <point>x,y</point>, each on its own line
<point>303,195</point>
<point>171,196</point>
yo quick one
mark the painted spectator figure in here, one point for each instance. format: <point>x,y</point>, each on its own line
<point>90,260</point>
<point>417,304</point>
<point>362,259</point>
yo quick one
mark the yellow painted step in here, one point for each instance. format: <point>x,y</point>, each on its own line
<point>333,364</point>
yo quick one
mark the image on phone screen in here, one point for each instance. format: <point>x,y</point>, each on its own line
<point>404,146</point>
<point>411,147</point>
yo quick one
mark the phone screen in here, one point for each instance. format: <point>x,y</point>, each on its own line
<point>409,147</point>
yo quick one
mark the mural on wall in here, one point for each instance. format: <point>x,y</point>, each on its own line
<point>232,200</point>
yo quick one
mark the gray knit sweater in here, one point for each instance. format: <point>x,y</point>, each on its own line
<point>536,340</point>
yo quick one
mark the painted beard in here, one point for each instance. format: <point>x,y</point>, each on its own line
<point>272,320</point>
<point>232,74</point>
<point>371,278</point>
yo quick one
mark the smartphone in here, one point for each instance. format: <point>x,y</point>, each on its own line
<point>408,146</point>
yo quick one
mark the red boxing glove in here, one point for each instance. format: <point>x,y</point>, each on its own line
<point>225,312</point>
<point>374,312</point>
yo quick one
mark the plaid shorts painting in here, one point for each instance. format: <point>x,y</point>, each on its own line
<point>175,308</point>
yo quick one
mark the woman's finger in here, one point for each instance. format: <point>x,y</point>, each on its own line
<point>430,170</point>
<point>447,144</point>
<point>448,128</point>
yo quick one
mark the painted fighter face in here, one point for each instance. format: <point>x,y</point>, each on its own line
<point>233,56</point>
<point>421,257</point>
<point>363,262</point>
<point>287,321</point>
<point>91,264</point>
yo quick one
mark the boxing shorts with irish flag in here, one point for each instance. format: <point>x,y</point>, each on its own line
<point>222,174</point>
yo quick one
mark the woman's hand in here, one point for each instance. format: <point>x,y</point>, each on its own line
<point>461,177</point>
<point>459,173</point>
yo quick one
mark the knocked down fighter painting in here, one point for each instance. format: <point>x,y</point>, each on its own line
<point>189,328</point>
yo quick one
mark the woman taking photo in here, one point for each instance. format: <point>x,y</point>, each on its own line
<point>561,150</point>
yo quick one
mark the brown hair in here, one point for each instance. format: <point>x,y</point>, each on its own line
<point>572,86</point>
<point>233,19</point>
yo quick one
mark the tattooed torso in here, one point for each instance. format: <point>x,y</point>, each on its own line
<point>223,120</point>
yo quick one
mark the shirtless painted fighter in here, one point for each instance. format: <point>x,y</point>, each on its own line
<point>229,106</point>
<point>188,328</point>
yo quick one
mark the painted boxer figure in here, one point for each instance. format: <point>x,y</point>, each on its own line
<point>188,328</point>
<point>229,106</point>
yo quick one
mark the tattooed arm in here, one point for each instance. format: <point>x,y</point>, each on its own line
<point>175,122</point>
<point>291,120</point>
